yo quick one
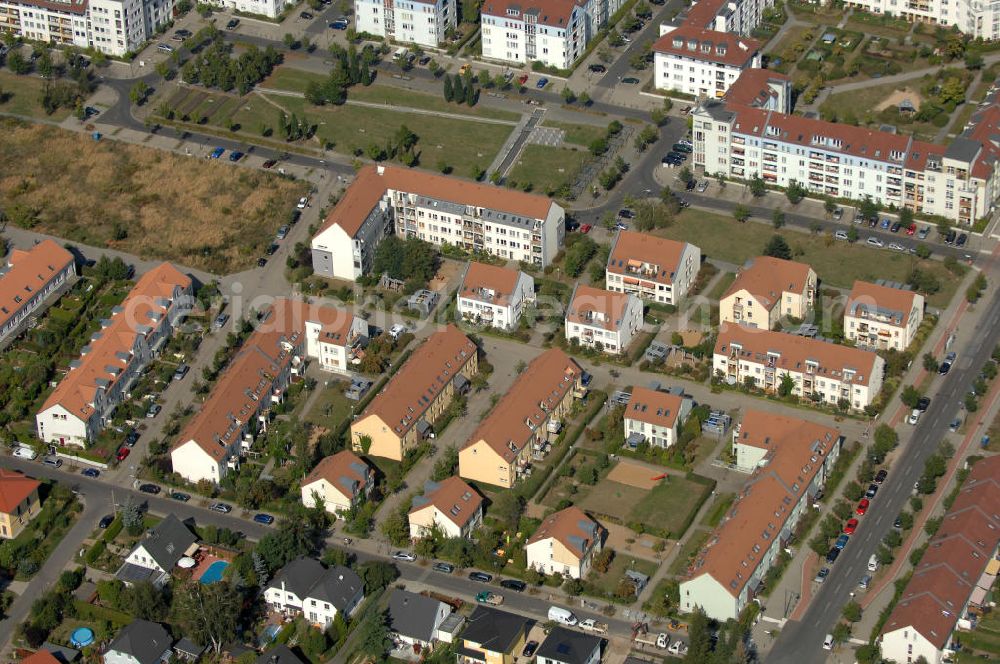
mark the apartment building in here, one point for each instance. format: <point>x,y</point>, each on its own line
<point>335,337</point>
<point>63,23</point>
<point>240,405</point>
<point>822,371</point>
<point>19,502</point>
<point>979,20</point>
<point>83,401</point>
<point>553,32</point>
<point>450,507</point>
<point>602,319</point>
<point>654,417</point>
<point>700,62</point>
<point>794,458</point>
<point>768,289</point>
<point>565,544</point>
<point>339,482</point>
<point>28,280</point>
<point>652,268</point>
<point>957,181</point>
<point>525,422</point>
<point>952,586</point>
<point>407,21</point>
<point>403,413</point>
<point>384,200</point>
<point>882,317</point>
<point>268,8</point>
<point>494,296</point>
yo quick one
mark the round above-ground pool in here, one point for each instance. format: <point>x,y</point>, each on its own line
<point>82,636</point>
<point>214,572</point>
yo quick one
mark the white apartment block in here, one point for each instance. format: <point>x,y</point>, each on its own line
<point>796,458</point>
<point>651,267</point>
<point>334,337</point>
<point>438,209</point>
<point>62,23</point>
<point>822,371</point>
<point>27,281</point>
<point>957,181</point>
<point>976,19</point>
<point>494,296</point>
<point>85,399</point>
<point>881,317</point>
<point>603,320</point>
<point>268,8</point>
<point>553,32</point>
<point>702,63</point>
<point>407,21</point>
<point>654,417</point>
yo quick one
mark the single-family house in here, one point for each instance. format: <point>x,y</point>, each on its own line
<point>19,502</point>
<point>451,506</point>
<point>140,642</point>
<point>492,636</point>
<point>278,654</point>
<point>305,587</point>
<point>565,543</point>
<point>155,556</point>
<point>339,482</point>
<point>414,619</point>
<point>567,646</point>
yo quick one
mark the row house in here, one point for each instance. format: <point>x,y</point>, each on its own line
<point>450,507</point>
<point>305,588</point>
<point>822,371</point>
<point>524,423</point>
<point>978,20</point>
<point>439,209</point>
<point>652,268</point>
<point>28,280</point>
<point>654,417</point>
<point>403,413</point>
<point>85,399</point>
<point>794,459</point>
<point>338,483</point>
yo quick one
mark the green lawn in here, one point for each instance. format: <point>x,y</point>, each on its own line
<point>688,552</point>
<point>329,409</point>
<point>719,289</point>
<point>837,263</point>
<point>286,77</point>
<point>985,638</point>
<point>669,507</point>
<point>547,168</point>
<point>461,145</point>
<point>580,134</point>
<point>22,94</point>
<point>723,502</point>
<point>608,582</point>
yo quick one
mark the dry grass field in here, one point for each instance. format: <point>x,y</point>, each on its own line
<point>204,214</point>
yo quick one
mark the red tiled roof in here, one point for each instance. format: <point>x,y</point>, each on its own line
<point>708,45</point>
<point>40,657</point>
<point>555,13</point>
<point>455,499</point>
<point>29,272</point>
<point>766,278</point>
<point>751,87</point>
<point>597,307</point>
<point>653,407</point>
<point>640,248</point>
<point>481,278</point>
<point>797,451</point>
<point>14,488</point>
<point>345,471</point>
<point>372,182</point>
<point>865,295</point>
<point>572,528</point>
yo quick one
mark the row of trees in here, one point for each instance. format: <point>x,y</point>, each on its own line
<point>461,89</point>
<point>350,68</point>
<point>216,68</point>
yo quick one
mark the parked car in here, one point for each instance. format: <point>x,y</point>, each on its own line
<point>339,25</point>
<point>828,642</point>
<point>123,453</point>
<point>154,410</point>
<point>183,33</point>
<point>881,475</point>
<point>271,249</point>
<point>514,584</point>
<point>662,640</point>
<point>680,147</point>
<point>911,229</point>
<point>944,368</point>
<point>269,163</point>
<point>282,233</point>
<point>896,247</point>
<point>842,541</point>
<point>542,82</point>
<point>625,213</point>
<point>106,521</point>
<point>405,556</point>
<point>24,452</point>
<point>702,186</point>
<point>949,238</point>
<point>924,232</point>
<point>529,649</point>
<point>597,69</point>
<point>261,262</point>
<point>585,228</point>
<point>841,235</point>
<point>885,223</point>
<point>482,577</point>
<point>303,202</point>
<point>831,555</point>
<point>222,508</point>
<point>182,370</point>
<point>149,488</point>
<point>862,506</point>
<point>306,15</point>
<point>691,184</point>
<point>180,496</point>
<point>92,473</point>
<point>923,403</point>
<point>875,242</point>
<point>850,526</point>
<point>896,226</point>
<point>838,214</point>
<point>630,80</point>
<point>132,438</point>
<point>265,519</point>
<point>444,568</point>
<point>678,648</point>
<point>53,461</point>
<point>166,48</point>
<point>217,152</point>
<point>235,155</point>
<point>220,321</point>
<point>872,490</point>
<point>962,239</point>
<point>954,426</point>
<point>914,417</point>
<point>233,22</point>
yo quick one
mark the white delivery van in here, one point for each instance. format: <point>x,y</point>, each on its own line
<point>873,564</point>
<point>561,615</point>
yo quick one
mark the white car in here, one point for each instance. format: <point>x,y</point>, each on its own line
<point>662,640</point>
<point>828,642</point>
<point>678,648</point>
<point>875,242</point>
<point>303,202</point>
<point>841,235</point>
<point>396,330</point>
<point>405,556</point>
<point>896,247</point>
<point>914,416</point>
<point>22,452</point>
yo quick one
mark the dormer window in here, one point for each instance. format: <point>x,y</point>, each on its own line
<point>678,43</point>
<point>720,49</point>
<point>706,48</point>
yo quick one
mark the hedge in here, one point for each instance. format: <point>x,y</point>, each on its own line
<point>94,613</point>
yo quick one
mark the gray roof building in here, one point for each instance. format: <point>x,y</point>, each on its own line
<point>299,575</point>
<point>142,641</point>
<point>569,647</point>
<point>338,586</point>
<point>412,615</point>
<point>168,541</point>
<point>495,630</point>
<point>279,654</point>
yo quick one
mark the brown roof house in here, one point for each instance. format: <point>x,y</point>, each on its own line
<point>565,543</point>
<point>602,319</point>
<point>882,317</point>
<point>450,506</point>
<point>19,502</point>
<point>768,289</point>
<point>494,296</point>
<point>339,482</point>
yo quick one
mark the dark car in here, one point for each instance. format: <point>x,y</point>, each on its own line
<point>681,147</point>
<point>183,33</point>
<point>271,249</point>
<point>831,555</point>
<point>266,519</point>
<point>261,262</point>
<point>92,473</point>
<point>625,213</point>
<point>881,475</point>
<point>270,163</point>
<point>630,80</point>
<point>597,69</point>
<point>180,496</point>
<point>233,22</point>
<point>235,155</point>
<point>896,226</point>
<point>529,648</point>
<point>131,438</point>
<point>691,184</point>
<point>149,488</point>
<point>338,25</point>
<point>482,577</point>
<point>944,368</point>
<point>424,61</point>
<point>950,237</point>
<point>106,521</point>
<point>872,490</point>
<point>962,239</point>
<point>514,584</point>
<point>306,15</point>
<point>923,403</point>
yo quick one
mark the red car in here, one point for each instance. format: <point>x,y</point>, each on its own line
<point>911,229</point>
<point>123,453</point>
<point>850,526</point>
<point>585,228</point>
<point>522,79</point>
<point>863,506</point>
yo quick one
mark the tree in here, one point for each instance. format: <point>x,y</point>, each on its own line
<point>852,612</point>
<point>795,192</point>
<point>786,386</point>
<point>458,89</point>
<point>757,188</point>
<point>777,247</point>
<point>131,515</point>
<point>507,509</point>
<point>568,95</point>
<point>910,396</point>
<point>373,636</point>
<point>868,208</point>
<point>138,93</point>
<point>778,218</point>
<point>699,639</point>
<point>973,61</point>
<point>853,491</point>
<point>741,213</point>
<point>584,98</point>
<point>17,63</point>
<point>852,236</point>
<point>685,175</point>
<point>446,464</point>
<point>377,574</point>
<point>143,600</point>
<point>841,632</point>
<point>208,613</point>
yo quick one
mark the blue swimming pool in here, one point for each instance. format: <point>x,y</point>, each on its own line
<point>82,636</point>
<point>214,572</point>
